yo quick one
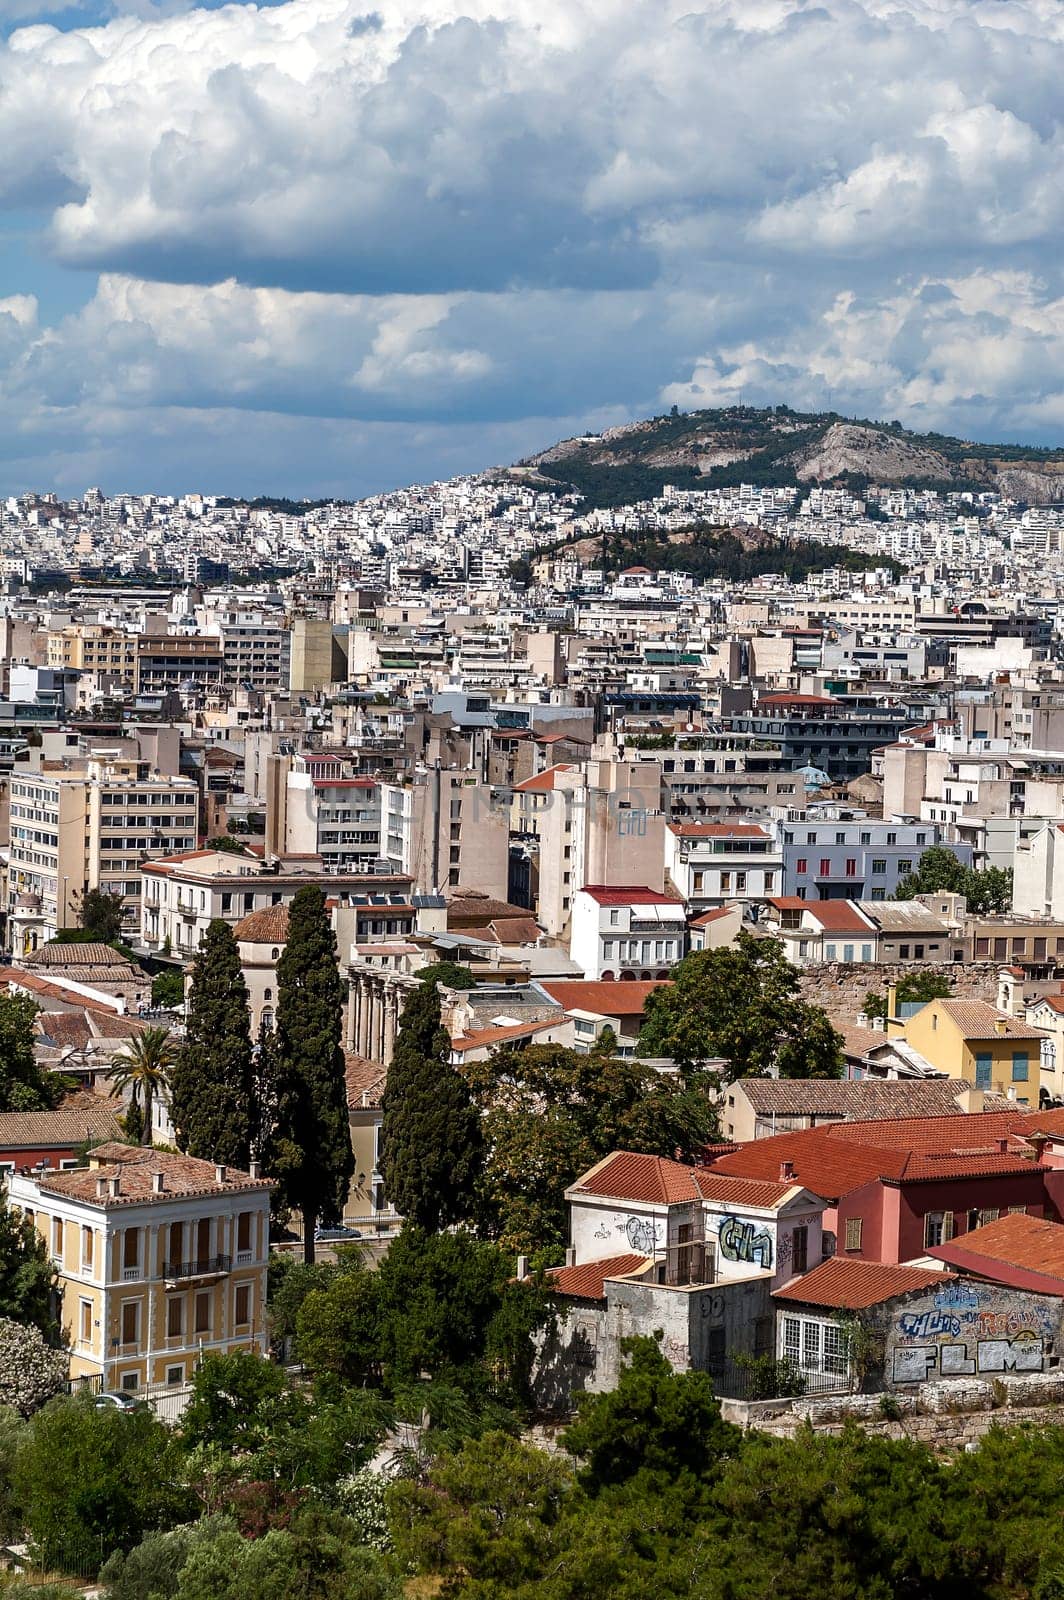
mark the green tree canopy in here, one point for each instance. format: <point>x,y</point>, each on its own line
<point>99,914</point>
<point>23,1086</point>
<point>549,1113</point>
<point>740,1002</point>
<point>168,989</point>
<point>311,1152</point>
<point>144,1067</point>
<point>655,1421</point>
<point>212,1082</point>
<point>450,973</point>
<point>27,1275</point>
<point>939,871</point>
<point>431,1146</point>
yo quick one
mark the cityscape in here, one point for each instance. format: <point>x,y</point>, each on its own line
<point>531,800</point>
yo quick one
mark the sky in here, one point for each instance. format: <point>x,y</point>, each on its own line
<point>315,248</point>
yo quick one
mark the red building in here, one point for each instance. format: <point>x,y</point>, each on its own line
<point>53,1138</point>
<point>897,1189</point>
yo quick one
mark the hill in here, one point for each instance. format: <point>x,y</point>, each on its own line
<point>716,449</point>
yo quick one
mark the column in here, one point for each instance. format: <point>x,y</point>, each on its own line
<point>389,1024</point>
<point>365,1007</point>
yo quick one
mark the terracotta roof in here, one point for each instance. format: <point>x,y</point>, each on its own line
<point>267,925</point>
<point>715,916</point>
<point>624,1175</point>
<point>77,955</point>
<point>1029,1243</point>
<point>1055,1002</point>
<point>839,916</point>
<point>718,830</point>
<point>83,1116</point>
<point>485,1038</point>
<point>866,1099</point>
<point>833,1160</point>
<point>976,1019</point>
<point>133,1166</point>
<point>611,999</point>
<point>789,902</point>
<point>587,1282</point>
<point>543,782</point>
<point>365,1081</point>
<point>515,930</point>
<point>796,700</point>
<point>1051,1123</point>
<point>852,1285</point>
<point>628,895</point>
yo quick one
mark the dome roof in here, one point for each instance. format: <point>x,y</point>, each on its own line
<point>814,777</point>
<point>267,925</point>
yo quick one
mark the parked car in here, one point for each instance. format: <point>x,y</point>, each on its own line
<point>118,1400</point>
<point>335,1235</point>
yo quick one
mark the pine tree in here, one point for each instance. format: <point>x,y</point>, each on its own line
<point>431,1143</point>
<point>311,1156</point>
<point>213,1081</point>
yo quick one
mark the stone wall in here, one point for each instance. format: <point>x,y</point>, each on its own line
<point>944,1416</point>
<point>841,987</point>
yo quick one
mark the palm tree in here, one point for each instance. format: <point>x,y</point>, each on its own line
<point>144,1068</point>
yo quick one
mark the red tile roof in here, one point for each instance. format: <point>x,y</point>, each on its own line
<point>1029,1243</point>
<point>628,895</point>
<point>611,999</point>
<point>543,782</point>
<point>655,1180</point>
<point>587,1282</point>
<point>184,1176</point>
<point>267,925</point>
<point>833,1160</point>
<point>718,830</point>
<point>845,1284</point>
<point>839,916</point>
<point>484,1038</point>
<point>796,700</point>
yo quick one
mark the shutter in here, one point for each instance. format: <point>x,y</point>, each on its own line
<point>947,1227</point>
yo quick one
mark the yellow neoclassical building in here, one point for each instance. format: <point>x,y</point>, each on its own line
<point>161,1259</point>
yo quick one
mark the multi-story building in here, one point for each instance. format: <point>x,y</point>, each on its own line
<point>91,828</point>
<point>181,896</point>
<point>627,932</point>
<point>447,829</point>
<point>316,807</point>
<point>713,863</point>
<point>161,1260</point>
<point>836,736</point>
<point>167,661</point>
<point>851,857</point>
<point>95,648</point>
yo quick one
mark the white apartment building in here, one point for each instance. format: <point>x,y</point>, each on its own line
<point>714,863</point>
<point>90,828</point>
<point>448,829</point>
<point>626,932</point>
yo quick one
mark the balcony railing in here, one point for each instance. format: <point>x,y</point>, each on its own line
<point>201,1268</point>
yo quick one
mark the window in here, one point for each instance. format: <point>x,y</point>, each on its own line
<point>175,1375</point>
<point>1020,1066</point>
<point>85,1328</point>
<point>829,953</point>
<point>725,883</point>
<point>938,1228</point>
<point>203,1313</point>
<point>615,919</point>
<point>243,1305</point>
<point>851,866</point>
<point>801,865</point>
<point>879,866</point>
<point>815,1346</point>
<point>175,1316</point>
<point>740,882</point>
<point>866,838</point>
<point>989,1214</point>
<point>243,1230</point>
<point>840,837</point>
<point>130,1382</point>
<point>854,1229</point>
<point>866,952</point>
<point>847,952</point>
<point>130,1251</point>
<point>86,1249</point>
<point>57,1238</point>
<point>130,1321</point>
<point>903,952</point>
<point>984,1070</point>
<point>825,867</point>
<point>800,1250</point>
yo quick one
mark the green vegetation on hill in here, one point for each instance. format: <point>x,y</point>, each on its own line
<point>711,552</point>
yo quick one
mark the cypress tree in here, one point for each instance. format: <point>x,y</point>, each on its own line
<point>212,1083</point>
<point>431,1143</point>
<point>312,1156</point>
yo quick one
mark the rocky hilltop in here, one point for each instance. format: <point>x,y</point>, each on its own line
<point>711,449</point>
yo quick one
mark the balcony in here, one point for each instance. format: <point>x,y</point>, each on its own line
<point>205,1267</point>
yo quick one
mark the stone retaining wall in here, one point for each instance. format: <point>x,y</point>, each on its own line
<point>840,988</point>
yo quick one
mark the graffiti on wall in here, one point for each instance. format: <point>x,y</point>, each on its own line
<point>747,1242</point>
<point>643,1234</point>
<point>916,1363</point>
<point>970,1329</point>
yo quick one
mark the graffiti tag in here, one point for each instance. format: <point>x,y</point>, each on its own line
<point>743,1241</point>
<point>643,1234</point>
<point>928,1324</point>
<point>915,1363</point>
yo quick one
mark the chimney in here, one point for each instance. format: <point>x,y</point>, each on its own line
<point>255,1170</point>
<point>1001,1026</point>
<point>786,1171</point>
<point>101,1187</point>
<point>158,1182</point>
<point>522,1268</point>
<point>1038,1145</point>
<point>570,1256</point>
<point>219,1173</point>
<point>114,1185</point>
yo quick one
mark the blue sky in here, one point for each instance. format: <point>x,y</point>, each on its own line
<point>316,247</point>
